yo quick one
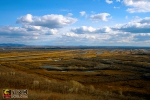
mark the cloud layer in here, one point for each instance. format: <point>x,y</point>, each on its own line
<point>51,28</point>
<point>50,21</point>
<point>137,6</point>
<point>100,17</point>
<point>26,31</point>
<point>90,30</point>
<point>137,26</point>
<point>34,25</point>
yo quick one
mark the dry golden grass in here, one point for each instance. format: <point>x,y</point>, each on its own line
<point>112,80</point>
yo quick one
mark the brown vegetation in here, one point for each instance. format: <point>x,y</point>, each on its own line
<point>77,74</point>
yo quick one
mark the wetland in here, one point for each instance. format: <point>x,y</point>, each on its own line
<point>94,74</point>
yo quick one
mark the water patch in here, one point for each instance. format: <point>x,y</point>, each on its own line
<point>51,67</point>
<point>62,69</point>
<point>83,53</point>
<point>99,52</point>
<point>90,71</point>
<point>113,50</point>
<point>83,71</point>
<point>66,69</point>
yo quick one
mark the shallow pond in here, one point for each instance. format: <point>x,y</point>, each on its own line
<point>99,52</point>
<point>80,71</point>
<point>62,69</point>
<point>112,50</point>
<point>51,67</point>
<point>83,53</point>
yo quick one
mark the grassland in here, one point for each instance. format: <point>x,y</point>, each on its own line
<point>81,74</point>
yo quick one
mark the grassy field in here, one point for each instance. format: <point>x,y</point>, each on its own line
<point>81,74</point>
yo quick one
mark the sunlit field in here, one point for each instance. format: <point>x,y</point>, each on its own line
<point>79,74</point>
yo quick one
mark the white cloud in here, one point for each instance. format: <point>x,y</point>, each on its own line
<point>109,1</point>
<point>130,33</point>
<point>84,39</point>
<point>142,37</point>
<point>69,34</point>
<point>12,31</point>
<point>82,13</point>
<point>40,30</point>
<point>105,29</point>
<point>100,17</point>
<point>32,28</point>
<point>26,30</point>
<point>83,30</point>
<point>50,32</point>
<point>137,5</point>
<point>90,37</point>
<point>50,21</point>
<point>90,30</point>
<point>136,26</point>
<point>35,37</point>
<point>25,19</point>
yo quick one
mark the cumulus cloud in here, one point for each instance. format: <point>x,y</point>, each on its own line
<point>32,28</point>
<point>109,1</point>
<point>88,30</point>
<point>37,28</point>
<point>50,21</point>
<point>25,19</point>
<point>137,5</point>
<point>69,34</point>
<point>136,26</point>
<point>26,30</point>
<point>12,31</point>
<point>130,33</point>
<point>83,30</point>
<point>82,13</point>
<point>142,37</point>
<point>135,31</point>
<point>100,17</point>
<point>85,38</point>
<point>104,30</point>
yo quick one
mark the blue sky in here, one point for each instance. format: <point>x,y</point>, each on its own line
<point>75,22</point>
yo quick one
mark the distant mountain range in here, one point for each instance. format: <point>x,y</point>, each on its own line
<point>11,45</point>
<point>23,46</point>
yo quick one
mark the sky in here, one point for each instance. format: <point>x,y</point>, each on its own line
<point>75,22</point>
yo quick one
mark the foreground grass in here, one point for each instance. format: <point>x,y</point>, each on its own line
<point>41,88</point>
